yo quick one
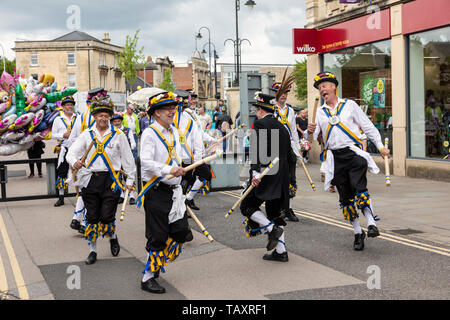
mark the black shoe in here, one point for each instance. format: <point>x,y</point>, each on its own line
<point>120,200</point>
<point>358,245</point>
<point>275,256</point>
<point>273,237</point>
<point>152,286</point>
<point>81,230</point>
<point>290,215</point>
<point>189,236</point>
<point>156,274</point>
<point>115,247</point>
<point>75,224</point>
<point>372,231</point>
<point>191,204</point>
<point>91,258</point>
<point>132,201</point>
<point>60,202</point>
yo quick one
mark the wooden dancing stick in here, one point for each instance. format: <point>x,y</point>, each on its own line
<point>83,158</point>
<point>386,164</point>
<point>250,188</point>
<point>215,144</point>
<point>198,163</point>
<point>316,103</point>
<point>122,212</point>
<point>313,186</point>
<point>204,231</point>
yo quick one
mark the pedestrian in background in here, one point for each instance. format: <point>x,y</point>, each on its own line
<point>35,152</point>
<point>130,120</point>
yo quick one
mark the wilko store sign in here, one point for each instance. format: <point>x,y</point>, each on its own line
<point>366,29</point>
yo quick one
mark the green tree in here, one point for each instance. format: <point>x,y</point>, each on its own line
<point>166,83</point>
<point>10,65</point>
<point>301,91</point>
<point>131,58</point>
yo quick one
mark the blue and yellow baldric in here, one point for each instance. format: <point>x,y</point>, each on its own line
<point>68,127</point>
<point>172,156</point>
<point>86,122</point>
<point>184,136</point>
<point>100,152</point>
<point>341,126</point>
<point>283,118</point>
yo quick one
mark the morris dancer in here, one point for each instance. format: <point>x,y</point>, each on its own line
<point>166,225</point>
<point>99,176</point>
<point>273,189</point>
<point>345,162</point>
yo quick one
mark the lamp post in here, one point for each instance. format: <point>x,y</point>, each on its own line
<point>199,36</point>
<point>215,64</point>
<point>237,57</point>
<point>237,42</point>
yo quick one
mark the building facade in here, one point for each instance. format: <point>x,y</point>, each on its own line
<point>393,58</point>
<point>75,60</point>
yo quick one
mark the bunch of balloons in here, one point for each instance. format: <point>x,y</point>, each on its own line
<point>27,110</point>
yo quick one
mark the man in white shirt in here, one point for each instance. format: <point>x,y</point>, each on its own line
<point>286,115</point>
<point>98,176</point>
<point>61,129</point>
<point>346,163</point>
<point>166,225</point>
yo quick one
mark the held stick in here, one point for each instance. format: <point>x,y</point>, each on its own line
<point>386,164</point>
<point>215,144</point>
<point>313,186</point>
<point>204,231</point>
<point>198,163</point>
<point>316,103</point>
<point>83,158</point>
<point>274,162</point>
<point>122,212</point>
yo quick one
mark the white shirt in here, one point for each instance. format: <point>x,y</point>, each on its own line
<point>60,126</point>
<point>292,123</point>
<point>118,151</point>
<point>194,140</point>
<point>154,154</point>
<point>352,117</point>
<point>76,130</point>
<point>198,119</point>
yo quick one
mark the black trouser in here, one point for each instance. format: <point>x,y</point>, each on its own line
<point>251,204</point>
<point>349,174</point>
<point>63,169</point>
<point>157,205</point>
<point>203,172</point>
<point>100,201</point>
<point>38,164</point>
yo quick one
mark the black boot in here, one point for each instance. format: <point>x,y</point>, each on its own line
<point>273,237</point>
<point>191,204</point>
<point>81,230</point>
<point>358,245</point>
<point>91,258</point>
<point>115,247</point>
<point>372,231</point>
<point>75,224</point>
<point>290,215</point>
<point>151,285</point>
<point>275,256</point>
<point>60,201</point>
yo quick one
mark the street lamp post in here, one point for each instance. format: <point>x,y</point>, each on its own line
<point>215,63</point>
<point>237,42</point>
<point>199,36</point>
<point>237,56</point>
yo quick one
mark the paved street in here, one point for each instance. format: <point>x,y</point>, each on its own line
<point>40,254</point>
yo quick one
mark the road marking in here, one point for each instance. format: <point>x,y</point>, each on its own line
<point>3,280</point>
<point>384,236</point>
<point>23,292</point>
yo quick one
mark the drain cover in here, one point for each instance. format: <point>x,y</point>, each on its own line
<point>405,232</point>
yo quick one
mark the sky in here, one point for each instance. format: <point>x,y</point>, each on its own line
<point>167,28</point>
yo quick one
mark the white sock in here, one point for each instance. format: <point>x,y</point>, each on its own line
<point>290,203</point>
<point>280,248</point>
<point>369,216</point>
<point>93,246</point>
<point>197,185</point>
<point>113,236</point>
<point>133,194</point>
<point>261,219</point>
<point>61,192</point>
<point>147,275</point>
<point>79,208</point>
<point>356,226</point>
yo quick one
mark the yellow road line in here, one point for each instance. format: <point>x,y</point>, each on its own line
<point>3,280</point>
<point>23,292</point>
<point>385,236</point>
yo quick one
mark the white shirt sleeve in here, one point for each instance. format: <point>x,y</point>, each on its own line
<point>367,126</point>
<point>127,159</point>
<point>147,154</point>
<point>58,129</point>
<point>197,143</point>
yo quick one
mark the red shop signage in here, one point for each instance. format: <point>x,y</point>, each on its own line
<point>424,14</point>
<point>369,28</point>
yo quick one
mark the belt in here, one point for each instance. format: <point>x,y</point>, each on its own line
<point>163,186</point>
<point>101,173</point>
<point>341,150</point>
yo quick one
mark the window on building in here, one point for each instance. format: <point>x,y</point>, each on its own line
<point>72,80</point>
<point>33,59</point>
<point>102,59</point>
<point>429,93</point>
<point>71,58</point>
<point>364,75</point>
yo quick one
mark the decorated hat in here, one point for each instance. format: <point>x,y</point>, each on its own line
<point>192,93</point>
<point>276,86</point>
<point>117,115</point>
<point>68,99</point>
<point>264,101</point>
<point>97,92</point>
<point>161,100</point>
<point>102,104</point>
<point>325,76</point>
<point>182,97</point>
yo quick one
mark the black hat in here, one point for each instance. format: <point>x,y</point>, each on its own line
<point>161,100</point>
<point>265,101</point>
<point>68,99</point>
<point>192,93</point>
<point>325,76</point>
<point>117,115</point>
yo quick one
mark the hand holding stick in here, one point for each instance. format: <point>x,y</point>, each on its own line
<point>316,103</point>
<point>250,188</point>
<point>198,163</point>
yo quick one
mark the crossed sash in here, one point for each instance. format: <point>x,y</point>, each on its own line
<point>187,132</point>
<point>100,152</point>
<point>68,127</point>
<point>337,123</point>
<point>89,123</point>
<point>283,118</point>
<point>172,157</point>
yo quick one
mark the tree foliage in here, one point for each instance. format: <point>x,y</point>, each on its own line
<point>166,83</point>
<point>10,65</point>
<point>301,90</point>
<point>131,58</point>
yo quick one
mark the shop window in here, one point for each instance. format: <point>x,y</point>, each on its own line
<point>364,75</point>
<point>429,94</point>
